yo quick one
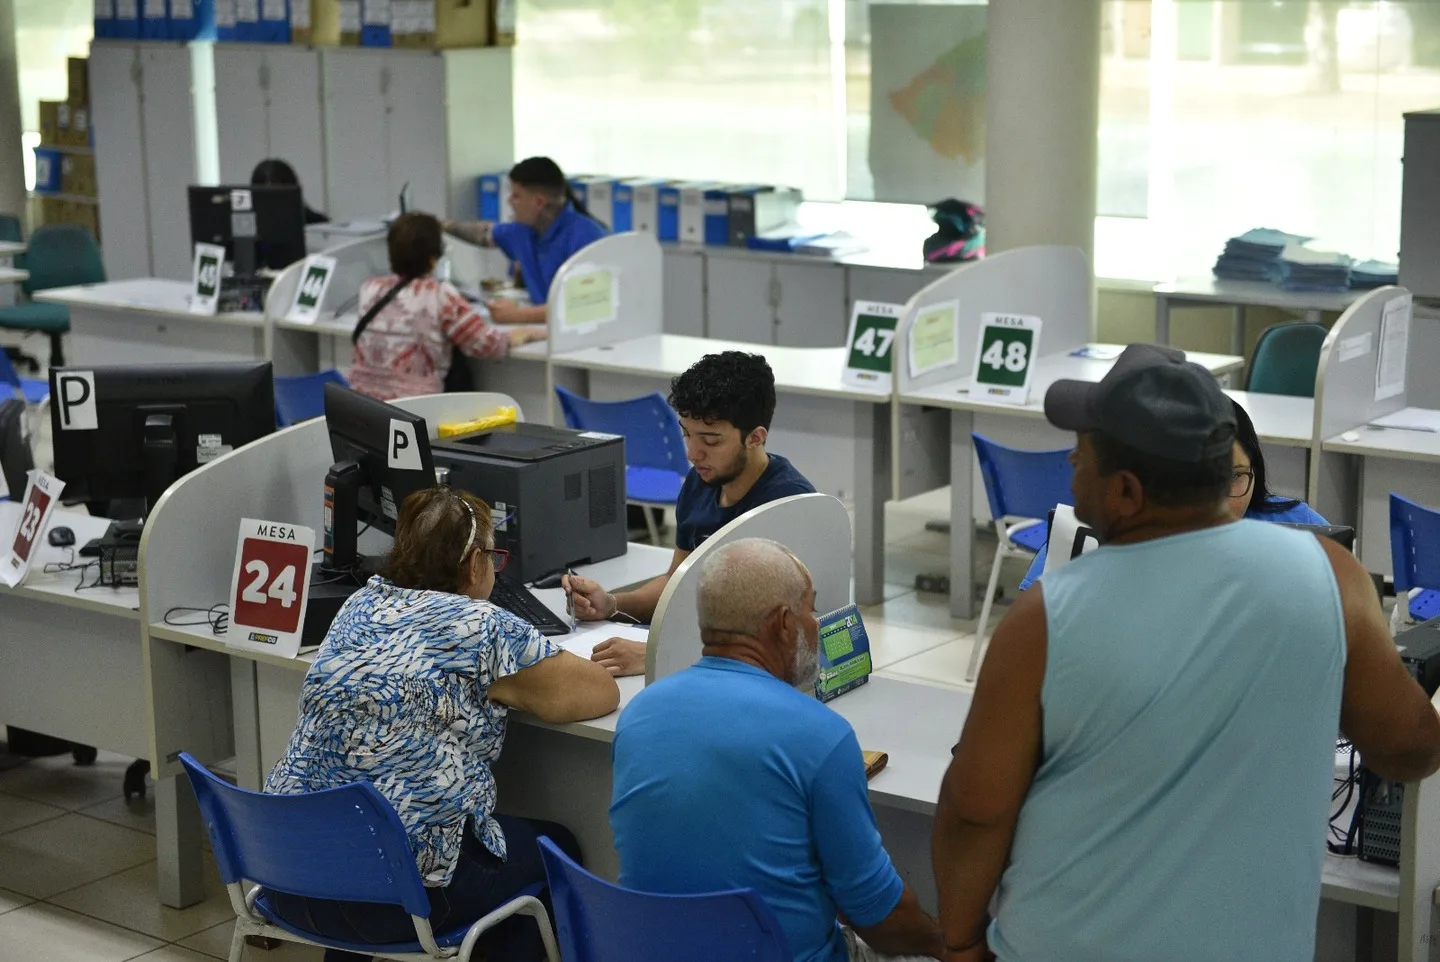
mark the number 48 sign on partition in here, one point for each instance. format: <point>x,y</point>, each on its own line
<point>270,588</point>
<point>1004,357</point>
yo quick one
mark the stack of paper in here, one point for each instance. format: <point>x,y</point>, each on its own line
<point>1255,255</point>
<point>1303,269</point>
<point>1368,274</point>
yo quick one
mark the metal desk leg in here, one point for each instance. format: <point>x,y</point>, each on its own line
<point>1162,319</point>
<point>1237,329</point>
<point>246,718</point>
<point>179,844</point>
<point>962,515</point>
<point>872,485</point>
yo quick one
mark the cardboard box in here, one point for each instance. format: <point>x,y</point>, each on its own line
<point>463,23</point>
<point>50,122</point>
<point>77,73</point>
<point>317,22</point>
<point>502,22</point>
<point>77,175</point>
<point>77,132</point>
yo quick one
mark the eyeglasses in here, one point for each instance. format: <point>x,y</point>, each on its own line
<point>499,558</point>
<point>1240,483</point>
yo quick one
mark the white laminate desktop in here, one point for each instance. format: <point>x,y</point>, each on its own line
<point>1390,460</point>
<point>1378,442</point>
<point>148,321</point>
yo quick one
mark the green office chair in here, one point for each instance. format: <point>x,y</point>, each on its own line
<point>11,230</point>
<point>1286,358</point>
<point>59,255</point>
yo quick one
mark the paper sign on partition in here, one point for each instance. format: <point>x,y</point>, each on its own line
<point>589,296</point>
<point>870,359</point>
<point>1394,348</point>
<point>310,293</point>
<point>1004,357</point>
<point>42,494</point>
<point>205,289</point>
<point>934,338</point>
<point>270,587</point>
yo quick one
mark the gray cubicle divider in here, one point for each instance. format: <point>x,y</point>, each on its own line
<point>187,557</point>
<point>1345,398</point>
<point>816,527</point>
<point>295,349</point>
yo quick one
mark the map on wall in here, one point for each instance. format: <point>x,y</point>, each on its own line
<point>927,102</point>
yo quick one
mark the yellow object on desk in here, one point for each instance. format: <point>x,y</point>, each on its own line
<point>457,429</point>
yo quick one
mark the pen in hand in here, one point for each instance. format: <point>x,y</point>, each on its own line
<point>570,597</point>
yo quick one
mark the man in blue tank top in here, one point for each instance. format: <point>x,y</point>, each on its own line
<point>1146,767</point>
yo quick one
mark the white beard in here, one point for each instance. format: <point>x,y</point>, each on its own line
<point>805,667</point>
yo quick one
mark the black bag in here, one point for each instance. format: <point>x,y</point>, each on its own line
<point>15,458</point>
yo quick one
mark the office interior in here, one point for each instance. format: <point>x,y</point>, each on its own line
<point>1142,134</point>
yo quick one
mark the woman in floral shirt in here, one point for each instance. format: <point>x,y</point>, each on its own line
<point>406,349</point>
<point>410,691</point>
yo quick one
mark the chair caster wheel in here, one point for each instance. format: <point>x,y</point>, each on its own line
<point>134,785</point>
<point>84,755</point>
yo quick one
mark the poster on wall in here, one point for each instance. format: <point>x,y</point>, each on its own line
<point>927,102</point>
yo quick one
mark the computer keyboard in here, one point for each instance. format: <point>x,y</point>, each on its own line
<point>517,599</point>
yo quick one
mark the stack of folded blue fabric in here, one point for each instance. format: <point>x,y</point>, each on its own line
<point>1303,269</point>
<point>1255,255</point>
<point>1368,274</point>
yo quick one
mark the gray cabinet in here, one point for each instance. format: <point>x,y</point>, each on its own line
<point>770,300</point>
<point>684,292</point>
<point>1420,205</point>
<point>740,298</point>
<point>120,158</point>
<point>811,310</point>
<point>267,102</point>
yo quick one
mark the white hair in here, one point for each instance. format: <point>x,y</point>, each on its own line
<point>745,580</point>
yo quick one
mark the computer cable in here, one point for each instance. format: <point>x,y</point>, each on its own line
<point>217,616</point>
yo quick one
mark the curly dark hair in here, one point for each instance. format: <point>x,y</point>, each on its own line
<point>429,553</point>
<point>730,386</point>
<point>415,242</point>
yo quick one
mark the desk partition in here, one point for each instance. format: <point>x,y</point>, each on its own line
<point>816,527</point>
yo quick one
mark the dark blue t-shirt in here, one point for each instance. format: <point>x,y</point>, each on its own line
<point>698,514</point>
<point>541,256</point>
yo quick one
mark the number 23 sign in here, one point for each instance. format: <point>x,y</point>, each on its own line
<point>270,588</point>
<point>41,496</point>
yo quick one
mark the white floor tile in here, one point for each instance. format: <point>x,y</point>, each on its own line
<point>131,898</point>
<point>50,933</point>
<point>58,781</point>
<point>10,901</point>
<point>215,943</point>
<point>172,953</point>
<point>914,609</point>
<point>17,812</point>
<point>943,666</point>
<point>67,852</point>
<point>138,813</point>
<point>891,643</point>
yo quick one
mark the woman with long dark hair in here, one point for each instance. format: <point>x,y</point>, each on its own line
<point>550,225</point>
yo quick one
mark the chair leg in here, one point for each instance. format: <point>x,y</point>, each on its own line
<point>237,945</point>
<point>57,351</point>
<point>650,523</point>
<point>981,632</point>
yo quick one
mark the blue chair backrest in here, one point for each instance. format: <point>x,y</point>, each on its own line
<point>62,255</point>
<point>1023,484</point>
<point>343,843</point>
<point>8,375</point>
<point>596,921</point>
<point>302,397</point>
<point>1286,359</point>
<point>1414,544</point>
<point>649,426</point>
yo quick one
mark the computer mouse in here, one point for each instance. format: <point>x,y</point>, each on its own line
<point>1350,436</point>
<point>61,537</point>
<point>550,580</point>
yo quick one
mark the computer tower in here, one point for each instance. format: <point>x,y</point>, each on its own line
<point>557,496</point>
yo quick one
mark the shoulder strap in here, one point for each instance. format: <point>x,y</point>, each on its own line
<point>377,307</point>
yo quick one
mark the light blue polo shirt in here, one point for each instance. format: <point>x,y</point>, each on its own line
<point>726,777</point>
<point>540,257</point>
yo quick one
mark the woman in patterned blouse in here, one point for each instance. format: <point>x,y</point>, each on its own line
<point>408,347</point>
<point>410,691</point>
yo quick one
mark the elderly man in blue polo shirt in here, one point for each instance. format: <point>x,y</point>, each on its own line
<point>730,774</point>
<point>550,225</point>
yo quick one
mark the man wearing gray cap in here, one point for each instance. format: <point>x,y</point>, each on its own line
<point>1146,767</point>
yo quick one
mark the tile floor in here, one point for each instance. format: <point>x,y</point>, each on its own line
<point>77,864</point>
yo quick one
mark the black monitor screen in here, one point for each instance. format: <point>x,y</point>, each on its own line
<point>272,218</point>
<point>1341,534</point>
<point>392,447</point>
<point>99,418</point>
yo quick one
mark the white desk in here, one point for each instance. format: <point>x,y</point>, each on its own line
<point>837,436</point>
<point>148,321</point>
<point>1016,425</point>
<point>1209,291</point>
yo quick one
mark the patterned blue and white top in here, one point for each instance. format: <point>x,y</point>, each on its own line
<point>397,697</point>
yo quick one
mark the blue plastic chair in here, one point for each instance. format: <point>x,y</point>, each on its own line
<point>655,464</point>
<point>1415,554</point>
<point>302,397</point>
<point>58,255</point>
<point>600,922</point>
<point>343,843</point>
<point>1023,487</point>
<point>31,390</point>
<point>1286,359</point>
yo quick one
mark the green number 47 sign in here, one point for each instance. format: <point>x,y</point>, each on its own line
<point>869,356</point>
<point>1004,356</point>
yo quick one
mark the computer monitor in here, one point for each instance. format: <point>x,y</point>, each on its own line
<point>128,432</point>
<point>1342,535</point>
<point>382,456</point>
<point>259,227</point>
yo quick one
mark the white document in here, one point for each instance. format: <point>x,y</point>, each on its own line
<point>587,635</point>
<point>1410,419</point>
<point>1357,346</point>
<point>1394,348</point>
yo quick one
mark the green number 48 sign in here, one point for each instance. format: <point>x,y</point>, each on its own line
<point>1004,356</point>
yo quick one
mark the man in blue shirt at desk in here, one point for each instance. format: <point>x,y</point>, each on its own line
<point>1145,771</point>
<point>550,225</point>
<point>730,774</point>
<point>725,402</point>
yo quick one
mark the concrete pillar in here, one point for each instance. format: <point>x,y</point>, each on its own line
<point>12,156</point>
<point>1042,118</point>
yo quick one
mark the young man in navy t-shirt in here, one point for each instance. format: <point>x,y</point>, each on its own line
<point>725,403</point>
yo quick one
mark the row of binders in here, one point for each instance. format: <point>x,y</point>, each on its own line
<point>692,212</point>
